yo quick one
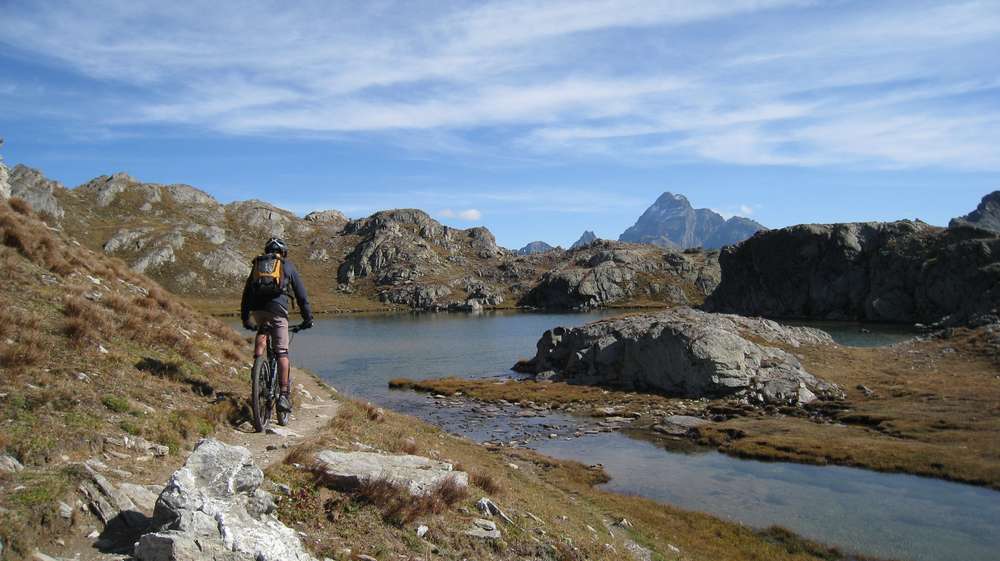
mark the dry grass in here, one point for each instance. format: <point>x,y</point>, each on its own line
<point>20,206</point>
<point>59,301</point>
<point>485,481</point>
<point>935,411</point>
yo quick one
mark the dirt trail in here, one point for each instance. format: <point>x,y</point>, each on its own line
<point>313,407</point>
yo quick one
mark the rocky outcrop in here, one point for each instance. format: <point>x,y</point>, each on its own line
<point>334,217</point>
<point>29,184</point>
<point>416,474</point>
<point>535,247</point>
<point>606,273</point>
<point>4,181</point>
<point>986,216</point>
<point>672,222</point>
<point>588,237</point>
<point>213,508</point>
<point>685,352</point>
<point>893,272</point>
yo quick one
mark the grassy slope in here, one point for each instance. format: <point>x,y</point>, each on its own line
<point>89,349</point>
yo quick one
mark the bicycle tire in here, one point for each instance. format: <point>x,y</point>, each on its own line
<point>260,402</point>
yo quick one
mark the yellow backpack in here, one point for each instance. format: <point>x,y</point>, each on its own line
<point>267,279</point>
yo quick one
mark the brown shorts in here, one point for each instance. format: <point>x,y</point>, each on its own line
<point>278,327</point>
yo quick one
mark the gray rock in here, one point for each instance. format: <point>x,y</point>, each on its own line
<point>417,296</point>
<point>266,218</point>
<point>213,508</point>
<point>414,473</point>
<point>672,222</point>
<point>679,425</point>
<point>29,184</point>
<point>159,256</point>
<point>484,529</point>
<point>327,217</point>
<point>189,196</point>
<point>138,444</point>
<point>108,502</point>
<point>894,272</point>
<point>684,352</point>
<point>127,240</point>
<point>213,234</point>
<point>606,272</point>
<point>986,216</point>
<point>4,187</point>
<point>227,262</point>
<point>10,464</point>
<point>142,497</point>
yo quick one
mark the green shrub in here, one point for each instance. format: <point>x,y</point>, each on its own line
<point>115,403</point>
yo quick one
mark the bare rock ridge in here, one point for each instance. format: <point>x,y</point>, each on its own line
<point>904,271</point>
<point>672,222</point>
<point>605,272</point>
<point>588,237</point>
<point>213,508</point>
<point>986,216</point>
<point>685,352</point>
<point>195,246</point>
<point>33,187</point>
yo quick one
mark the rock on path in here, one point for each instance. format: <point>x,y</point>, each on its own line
<point>213,508</point>
<point>416,473</point>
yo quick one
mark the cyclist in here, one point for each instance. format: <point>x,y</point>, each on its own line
<point>270,312</point>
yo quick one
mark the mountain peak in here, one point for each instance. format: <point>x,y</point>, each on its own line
<point>673,200</point>
<point>672,222</point>
<point>588,237</point>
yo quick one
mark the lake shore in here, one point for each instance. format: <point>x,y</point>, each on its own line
<point>925,407</point>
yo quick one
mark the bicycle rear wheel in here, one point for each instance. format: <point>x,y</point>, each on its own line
<point>260,393</point>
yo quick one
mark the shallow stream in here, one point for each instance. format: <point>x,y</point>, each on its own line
<point>885,515</point>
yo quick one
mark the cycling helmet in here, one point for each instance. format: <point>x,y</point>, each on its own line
<point>276,245</point>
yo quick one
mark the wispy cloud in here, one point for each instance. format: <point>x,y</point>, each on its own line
<point>469,214</point>
<point>748,82</point>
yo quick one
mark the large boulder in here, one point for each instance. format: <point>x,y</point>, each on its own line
<point>213,508</point>
<point>417,474</point>
<point>29,184</point>
<point>904,271</point>
<point>986,215</point>
<point>685,352</point>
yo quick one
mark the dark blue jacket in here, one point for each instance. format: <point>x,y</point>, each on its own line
<point>279,305</point>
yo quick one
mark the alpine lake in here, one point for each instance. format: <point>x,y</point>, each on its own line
<point>893,516</point>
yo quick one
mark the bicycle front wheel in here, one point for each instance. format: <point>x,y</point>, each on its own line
<point>260,393</point>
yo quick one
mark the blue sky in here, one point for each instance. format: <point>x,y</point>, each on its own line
<point>535,119</point>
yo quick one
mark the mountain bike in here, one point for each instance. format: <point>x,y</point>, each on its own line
<point>264,383</point>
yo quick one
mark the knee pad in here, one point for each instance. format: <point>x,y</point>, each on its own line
<point>280,353</point>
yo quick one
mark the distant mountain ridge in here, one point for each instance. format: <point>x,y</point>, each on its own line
<point>199,248</point>
<point>535,247</point>
<point>672,222</point>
